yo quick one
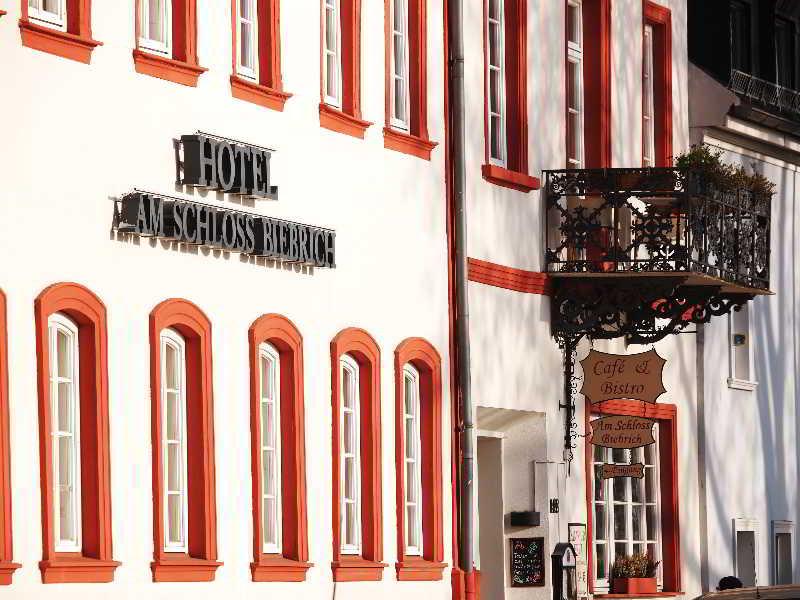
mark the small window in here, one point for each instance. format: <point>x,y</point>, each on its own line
<point>173,398</point>
<point>785,57</point>
<point>155,26</point>
<point>741,350</point>
<point>413,464</point>
<point>400,72</point>
<point>574,85</point>
<point>784,567</point>
<point>270,448</point>
<point>350,449</point>
<point>741,32</point>
<point>496,81</point>
<point>332,60</point>
<point>746,537</point>
<point>65,432</point>
<point>247,50</point>
<point>648,108</point>
<point>52,13</point>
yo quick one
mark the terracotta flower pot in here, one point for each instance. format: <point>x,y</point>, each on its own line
<point>634,585</point>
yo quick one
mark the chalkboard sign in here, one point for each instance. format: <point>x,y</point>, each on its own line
<point>527,562</point>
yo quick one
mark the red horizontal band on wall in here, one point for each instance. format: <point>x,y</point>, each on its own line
<point>509,278</point>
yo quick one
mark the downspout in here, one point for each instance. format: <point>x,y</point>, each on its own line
<point>457,162</point>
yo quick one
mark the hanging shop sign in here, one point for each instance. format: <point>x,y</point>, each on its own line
<point>225,165</point>
<point>186,221</point>
<point>623,376</point>
<point>622,432</point>
<point>635,470</point>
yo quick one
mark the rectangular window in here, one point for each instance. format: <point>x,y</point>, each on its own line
<point>413,466</point>
<point>785,57</point>
<point>496,81</point>
<point>332,59</point>
<point>64,433</point>
<point>155,26</point>
<point>741,349</point>
<point>350,452</point>
<point>173,397</point>
<point>648,108</point>
<point>782,549</point>
<point>741,32</point>
<point>627,516</point>
<point>52,13</point>
<point>400,62</point>
<point>746,539</point>
<point>270,449</point>
<point>574,84</point>
<point>247,50</point>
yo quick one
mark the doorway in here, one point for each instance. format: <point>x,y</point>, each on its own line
<point>491,541</point>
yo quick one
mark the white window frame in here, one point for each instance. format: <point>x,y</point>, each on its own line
<point>648,103</point>
<point>413,489</point>
<point>173,338</point>
<point>781,527</point>
<point>502,142</point>
<point>746,524</point>
<point>400,30</point>
<point>60,323</point>
<point>734,382</point>
<point>145,43</point>
<point>347,363</point>
<point>575,56</point>
<point>335,6</point>
<point>241,69</point>
<point>267,352</point>
<point>602,584</point>
<point>55,20</point>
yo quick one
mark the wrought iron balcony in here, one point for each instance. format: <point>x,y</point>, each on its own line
<point>656,222</point>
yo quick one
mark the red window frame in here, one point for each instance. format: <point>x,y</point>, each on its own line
<point>76,43</point>
<point>200,562</point>
<point>268,90</point>
<point>183,66</point>
<point>368,566</point>
<point>7,566</point>
<point>597,83</point>
<point>292,563</point>
<point>94,563</point>
<point>416,141</point>
<point>667,417</point>
<point>424,357</point>
<point>660,19</point>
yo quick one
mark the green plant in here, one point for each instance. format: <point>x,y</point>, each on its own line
<point>708,164</point>
<point>634,566</point>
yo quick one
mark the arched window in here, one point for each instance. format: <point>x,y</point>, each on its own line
<point>418,452</point>
<point>72,360</point>
<point>184,499</point>
<point>357,515</point>
<point>277,426</point>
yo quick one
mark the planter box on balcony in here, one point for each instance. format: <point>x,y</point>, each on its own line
<point>634,585</point>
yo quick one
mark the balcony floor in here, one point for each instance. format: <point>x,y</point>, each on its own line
<point>691,279</point>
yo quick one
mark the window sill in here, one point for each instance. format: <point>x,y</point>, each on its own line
<point>413,568</point>
<point>79,569</point>
<point>277,568</point>
<point>61,43</point>
<point>184,568</point>
<point>408,144</point>
<point>742,384</point>
<point>249,91</point>
<point>162,67</point>
<point>655,595</point>
<point>355,568</point>
<point>7,568</point>
<point>340,122</point>
<point>522,182</point>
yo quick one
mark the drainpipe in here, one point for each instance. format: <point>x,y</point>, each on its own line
<point>456,93</point>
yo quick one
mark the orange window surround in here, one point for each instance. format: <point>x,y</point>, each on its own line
<point>660,19</point>
<point>515,174</point>
<point>268,90</point>
<point>292,563</point>
<point>348,119</point>
<point>182,66</point>
<point>425,359</point>
<point>667,417</point>
<point>76,43</point>
<point>415,141</point>
<point>7,567</point>
<point>94,562</point>
<point>367,566</point>
<point>199,563</point>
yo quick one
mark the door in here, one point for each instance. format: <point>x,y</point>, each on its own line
<point>746,557</point>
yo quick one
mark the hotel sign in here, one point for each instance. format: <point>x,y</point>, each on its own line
<point>622,376</point>
<point>622,432</point>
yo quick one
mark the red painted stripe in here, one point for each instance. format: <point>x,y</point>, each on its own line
<point>519,280</point>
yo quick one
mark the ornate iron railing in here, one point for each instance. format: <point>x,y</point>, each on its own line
<point>655,220</point>
<point>764,92</point>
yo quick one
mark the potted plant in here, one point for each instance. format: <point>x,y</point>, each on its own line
<point>634,574</point>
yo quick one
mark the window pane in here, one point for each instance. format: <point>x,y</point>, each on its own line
<point>246,48</point>
<point>636,490</point>
<point>174,467</point>
<point>398,16</point>
<point>619,456</point>
<point>649,485</point>
<point>351,531</point>
<point>399,100</point>
<point>411,482</point>
<point>52,6</point>
<point>495,89</point>
<point>573,23</point>
<point>347,385</point>
<point>174,519</point>
<point>620,522</point>
<point>599,454</point>
<point>495,132</point>
<point>268,423</point>
<point>155,30</point>
<point>599,485</point>
<point>66,515</point>
<point>65,458</point>
<point>602,560</point>
<point>411,441</point>
<point>246,9</point>
<point>268,458</point>
<point>620,550</point>
<point>64,417</point>
<point>409,396</point>
<point>652,522</point>
<point>270,521</point>
<point>495,47</point>
<point>349,431</point>
<point>599,521</point>
<point>494,9</point>
<point>637,522</point>
<point>64,354</point>
<point>171,361</point>
<point>620,486</point>
<point>173,416</point>
<point>350,478</point>
<point>411,527</point>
